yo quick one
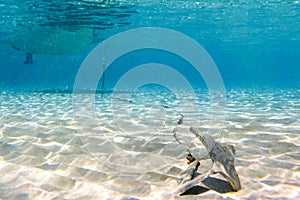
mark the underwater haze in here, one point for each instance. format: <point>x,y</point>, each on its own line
<point>97,97</point>
<point>253,43</point>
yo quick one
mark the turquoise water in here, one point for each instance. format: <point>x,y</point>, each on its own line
<point>60,138</point>
<point>253,43</point>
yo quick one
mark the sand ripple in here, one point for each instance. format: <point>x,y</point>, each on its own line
<point>46,154</point>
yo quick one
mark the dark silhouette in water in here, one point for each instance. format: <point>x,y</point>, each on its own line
<point>28,56</point>
<point>28,60</point>
<point>103,77</point>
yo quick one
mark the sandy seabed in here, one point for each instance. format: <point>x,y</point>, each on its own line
<point>116,148</point>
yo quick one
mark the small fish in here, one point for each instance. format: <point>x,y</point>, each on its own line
<point>28,59</point>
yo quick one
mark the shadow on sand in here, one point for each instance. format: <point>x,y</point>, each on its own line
<point>211,183</point>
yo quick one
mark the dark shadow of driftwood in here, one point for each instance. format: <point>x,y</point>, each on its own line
<point>211,183</point>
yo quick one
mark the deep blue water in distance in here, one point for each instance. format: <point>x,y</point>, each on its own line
<point>253,43</point>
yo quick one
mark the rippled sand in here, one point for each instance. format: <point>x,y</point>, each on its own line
<point>126,149</point>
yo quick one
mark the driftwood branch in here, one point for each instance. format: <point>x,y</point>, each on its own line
<point>220,154</point>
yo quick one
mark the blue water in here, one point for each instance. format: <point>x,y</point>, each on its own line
<point>57,142</point>
<point>253,43</point>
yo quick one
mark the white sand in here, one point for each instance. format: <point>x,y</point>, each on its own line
<point>46,153</point>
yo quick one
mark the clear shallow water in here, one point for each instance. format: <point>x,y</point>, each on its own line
<point>127,149</point>
<point>252,42</point>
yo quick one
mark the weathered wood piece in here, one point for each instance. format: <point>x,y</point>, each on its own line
<point>222,156</point>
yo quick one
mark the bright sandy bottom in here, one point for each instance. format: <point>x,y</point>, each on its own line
<point>49,152</point>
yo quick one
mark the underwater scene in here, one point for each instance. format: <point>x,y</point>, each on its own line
<point>149,99</point>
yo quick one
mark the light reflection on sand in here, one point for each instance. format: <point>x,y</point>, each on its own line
<point>42,157</point>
